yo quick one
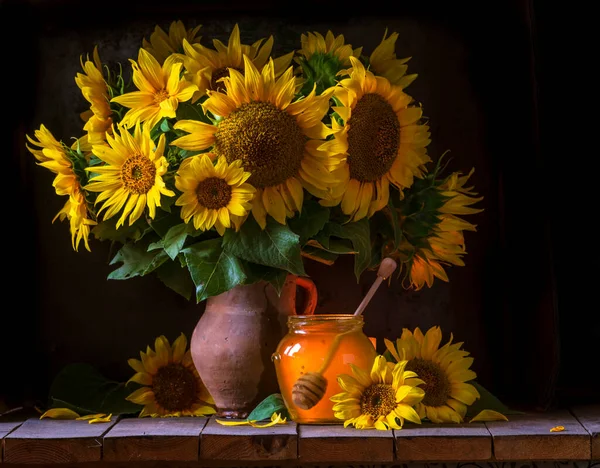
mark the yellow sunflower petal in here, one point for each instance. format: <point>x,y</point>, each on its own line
<point>489,415</point>
<point>60,413</point>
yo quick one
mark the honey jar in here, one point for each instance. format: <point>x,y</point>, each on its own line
<point>305,348</point>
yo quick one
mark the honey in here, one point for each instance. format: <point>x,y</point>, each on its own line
<point>305,348</point>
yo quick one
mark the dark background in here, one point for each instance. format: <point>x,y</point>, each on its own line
<point>485,80</point>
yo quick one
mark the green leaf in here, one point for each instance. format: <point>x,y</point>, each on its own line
<point>212,269</point>
<point>319,255</point>
<point>177,277</point>
<point>161,224</point>
<point>106,230</point>
<point>83,389</point>
<point>487,401</point>
<point>273,403</point>
<point>308,223</point>
<point>189,111</point>
<point>173,240</point>
<point>137,261</point>
<point>359,234</point>
<point>276,246</point>
<point>256,273</point>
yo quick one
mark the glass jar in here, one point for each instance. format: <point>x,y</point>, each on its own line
<point>304,349</point>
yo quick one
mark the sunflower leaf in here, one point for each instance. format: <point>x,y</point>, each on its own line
<point>358,233</point>
<point>487,402</point>
<point>276,246</point>
<point>82,388</point>
<point>136,261</point>
<point>256,273</point>
<point>106,230</point>
<point>310,222</point>
<point>265,409</point>
<point>213,270</point>
<point>173,240</point>
<point>177,277</point>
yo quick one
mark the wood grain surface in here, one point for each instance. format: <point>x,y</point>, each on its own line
<point>443,442</point>
<point>338,444</point>
<point>172,439</point>
<point>528,437</point>
<point>279,442</point>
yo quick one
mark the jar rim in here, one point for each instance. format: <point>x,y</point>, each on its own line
<point>325,318</point>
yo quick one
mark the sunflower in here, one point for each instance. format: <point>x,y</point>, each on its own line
<point>171,383</point>
<point>444,370</point>
<point>131,178</point>
<point>205,66</point>
<point>213,195</point>
<point>162,45</point>
<point>161,89</point>
<point>277,140</point>
<point>57,158</point>
<point>444,242</point>
<point>383,62</point>
<point>98,118</point>
<point>383,140</point>
<point>313,44</point>
<point>45,140</point>
<point>378,399</point>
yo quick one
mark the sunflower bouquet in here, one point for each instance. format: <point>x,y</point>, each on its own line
<point>213,165</point>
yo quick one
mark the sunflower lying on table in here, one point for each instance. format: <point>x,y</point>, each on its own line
<point>426,381</point>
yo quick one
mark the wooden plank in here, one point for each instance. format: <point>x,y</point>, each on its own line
<point>55,441</point>
<point>233,443</point>
<point>589,417</point>
<point>145,439</point>
<point>6,427</point>
<point>528,437</point>
<point>334,443</point>
<point>443,442</point>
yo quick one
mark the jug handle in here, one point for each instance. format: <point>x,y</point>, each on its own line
<point>310,304</point>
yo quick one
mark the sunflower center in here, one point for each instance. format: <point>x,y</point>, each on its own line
<point>267,139</point>
<point>213,193</point>
<point>217,74</point>
<point>378,400</point>
<point>373,138</point>
<point>160,95</point>
<point>175,387</point>
<point>437,386</point>
<point>138,174</point>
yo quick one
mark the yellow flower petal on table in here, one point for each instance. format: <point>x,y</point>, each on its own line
<point>96,418</point>
<point>557,429</point>
<point>60,413</point>
<point>276,418</point>
<point>489,415</point>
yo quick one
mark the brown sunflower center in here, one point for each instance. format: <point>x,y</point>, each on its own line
<point>378,400</point>
<point>373,138</point>
<point>437,386</point>
<point>267,139</point>
<point>213,193</point>
<point>175,387</point>
<point>160,95</point>
<point>138,174</point>
<point>217,74</point>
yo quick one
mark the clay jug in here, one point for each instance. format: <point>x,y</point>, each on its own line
<point>235,337</point>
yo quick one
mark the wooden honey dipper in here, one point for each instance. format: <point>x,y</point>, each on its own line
<point>310,387</point>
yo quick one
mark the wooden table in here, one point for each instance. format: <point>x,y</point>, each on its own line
<point>197,442</point>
